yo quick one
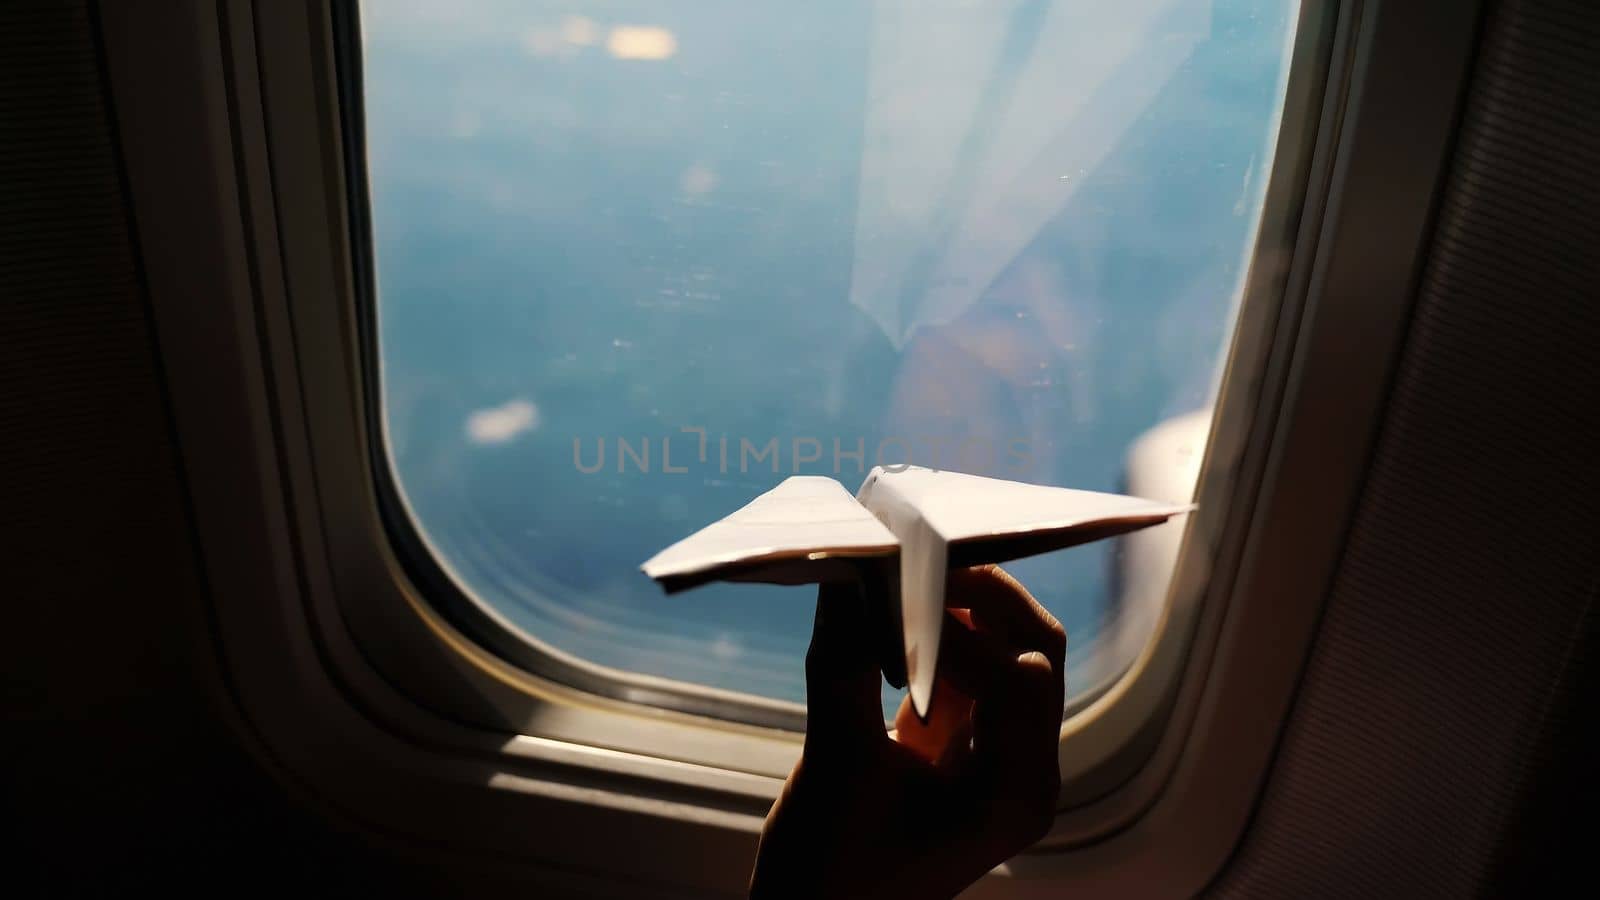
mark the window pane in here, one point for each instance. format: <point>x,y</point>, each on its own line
<point>639,261</point>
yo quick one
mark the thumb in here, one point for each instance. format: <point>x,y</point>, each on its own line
<point>843,705</point>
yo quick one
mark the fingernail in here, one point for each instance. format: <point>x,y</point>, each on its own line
<point>1033,658</point>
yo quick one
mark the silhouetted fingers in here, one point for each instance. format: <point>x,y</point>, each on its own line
<point>843,707</point>
<point>1016,740</point>
<point>1001,606</point>
<point>1016,718</point>
<point>976,664</point>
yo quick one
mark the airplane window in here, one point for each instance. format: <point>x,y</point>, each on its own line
<point>639,261</point>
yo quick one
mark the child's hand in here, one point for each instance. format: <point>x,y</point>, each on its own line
<point>927,810</point>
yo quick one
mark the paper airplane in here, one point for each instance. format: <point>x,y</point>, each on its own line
<point>810,530</point>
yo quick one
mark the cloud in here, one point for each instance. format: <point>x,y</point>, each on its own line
<point>563,40</point>
<point>499,424</point>
<point>697,179</point>
<point>725,647</point>
<point>580,30</point>
<point>641,42</point>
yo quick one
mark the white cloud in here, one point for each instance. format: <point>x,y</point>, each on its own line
<point>563,40</point>
<point>499,424</point>
<point>726,647</point>
<point>580,30</point>
<point>698,179</point>
<point>642,42</point>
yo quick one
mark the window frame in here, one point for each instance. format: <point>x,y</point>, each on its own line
<point>348,682</point>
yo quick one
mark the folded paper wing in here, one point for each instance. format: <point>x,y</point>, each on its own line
<point>947,520</point>
<point>810,530</point>
<point>803,531</point>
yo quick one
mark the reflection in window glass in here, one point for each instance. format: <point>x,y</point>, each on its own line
<point>639,261</point>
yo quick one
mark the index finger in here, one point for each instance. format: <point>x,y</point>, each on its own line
<point>843,708</point>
